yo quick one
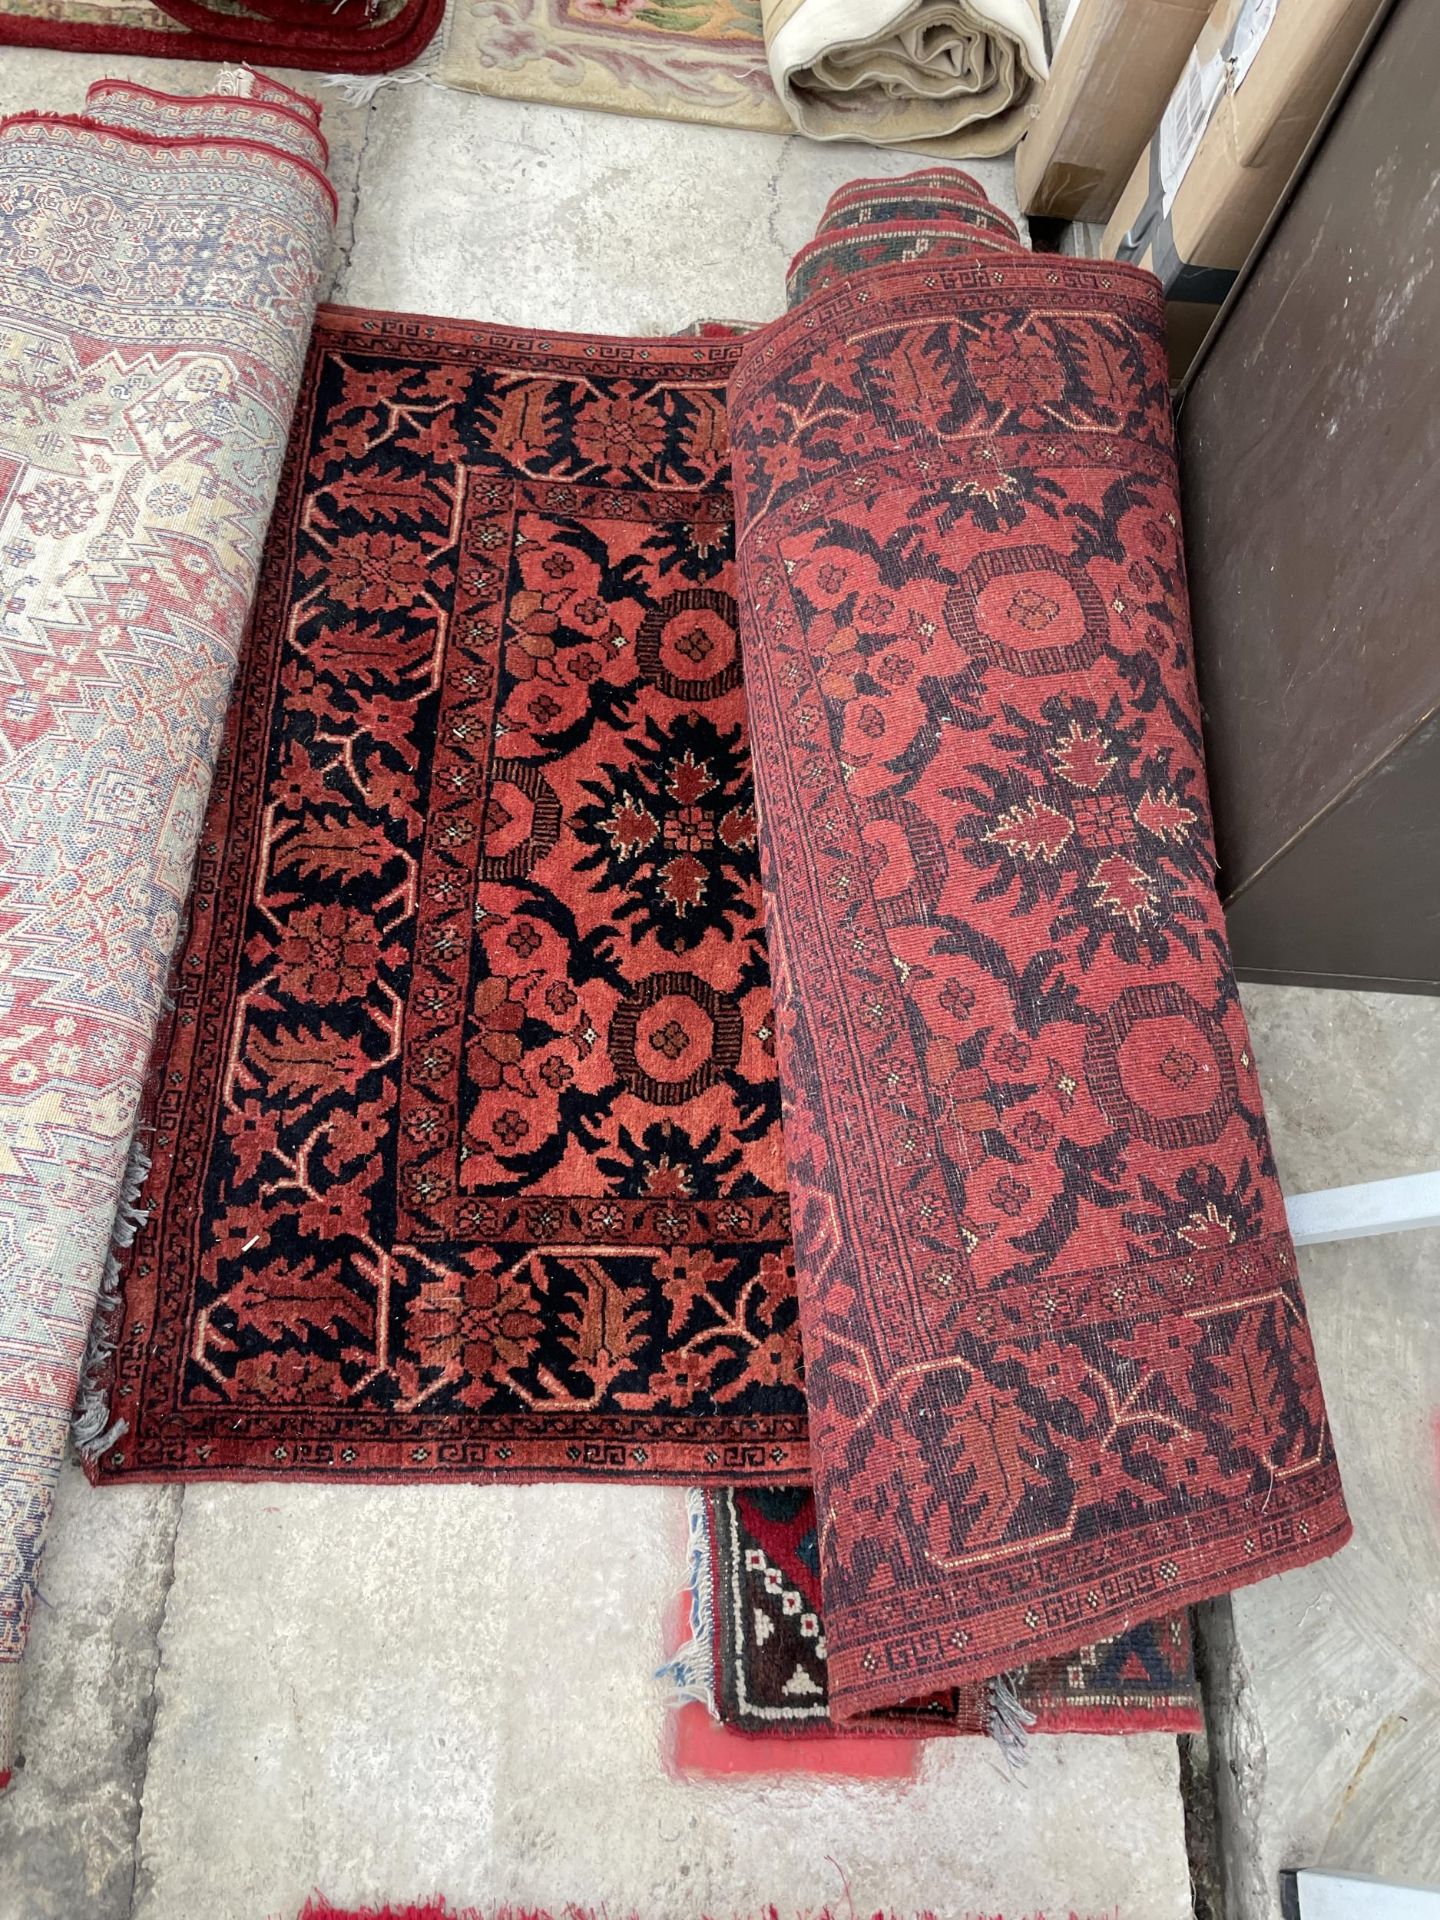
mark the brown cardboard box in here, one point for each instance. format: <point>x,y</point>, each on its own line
<point>1113,71</point>
<point>1262,118</point>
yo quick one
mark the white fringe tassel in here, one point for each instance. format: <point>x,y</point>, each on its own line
<point>359,89</point>
<point>238,83</point>
<point>1008,1721</point>
<point>90,1425</point>
<point>691,1672</point>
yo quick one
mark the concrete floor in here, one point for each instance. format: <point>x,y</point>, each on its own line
<point>1326,1695</point>
<point>238,1694</point>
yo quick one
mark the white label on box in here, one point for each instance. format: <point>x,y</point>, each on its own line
<point>1256,20</point>
<point>1185,119</point>
<point>1201,85</point>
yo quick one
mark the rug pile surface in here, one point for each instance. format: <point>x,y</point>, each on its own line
<point>468,1143</point>
<point>468,1156</point>
<point>156,290</point>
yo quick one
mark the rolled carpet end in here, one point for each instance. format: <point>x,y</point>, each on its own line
<point>954,76</point>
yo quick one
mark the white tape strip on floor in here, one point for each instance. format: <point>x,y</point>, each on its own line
<point>1377,1206</point>
<point>1308,1895</point>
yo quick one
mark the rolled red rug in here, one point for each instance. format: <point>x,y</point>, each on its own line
<point>1058,1371</point>
<point>360,36</point>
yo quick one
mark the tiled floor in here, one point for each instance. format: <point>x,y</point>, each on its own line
<point>237,1694</point>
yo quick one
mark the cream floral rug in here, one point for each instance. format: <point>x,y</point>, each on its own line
<point>700,60</point>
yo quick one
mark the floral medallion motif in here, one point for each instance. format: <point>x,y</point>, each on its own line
<point>474,1159</point>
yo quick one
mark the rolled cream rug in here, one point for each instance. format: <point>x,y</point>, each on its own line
<point>955,76</point>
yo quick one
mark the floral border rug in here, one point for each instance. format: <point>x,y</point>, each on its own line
<point>700,60</point>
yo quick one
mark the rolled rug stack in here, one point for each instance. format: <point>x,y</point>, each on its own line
<point>160,260</point>
<point>954,76</point>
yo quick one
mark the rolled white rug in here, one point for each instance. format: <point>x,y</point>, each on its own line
<point>956,76</point>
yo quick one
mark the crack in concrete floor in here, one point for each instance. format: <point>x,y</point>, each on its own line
<point>145,1729</point>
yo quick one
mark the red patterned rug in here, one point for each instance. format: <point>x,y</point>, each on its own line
<point>759,1623</point>
<point>1058,1373</point>
<point>374,38</point>
<point>467,1146</point>
<point>467,1155</point>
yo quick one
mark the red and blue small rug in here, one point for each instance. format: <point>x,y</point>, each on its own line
<point>757,1657</point>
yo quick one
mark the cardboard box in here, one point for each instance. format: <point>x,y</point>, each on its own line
<point>1255,87</point>
<point>1115,66</point>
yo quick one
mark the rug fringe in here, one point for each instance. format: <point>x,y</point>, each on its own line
<point>90,1424</point>
<point>691,1671</point>
<point>235,82</point>
<point>1008,1720</point>
<point>359,89</point>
